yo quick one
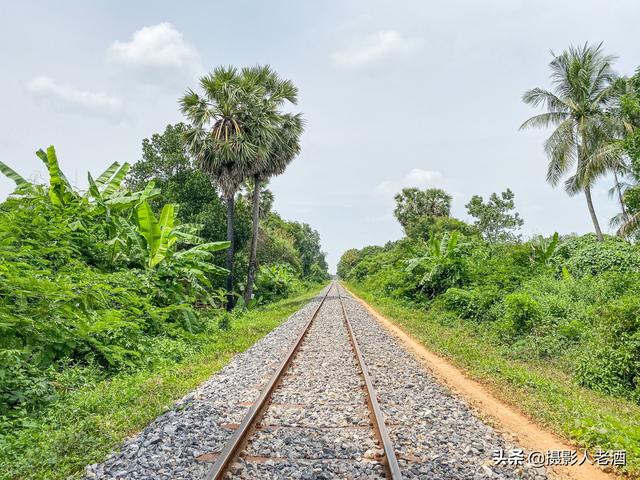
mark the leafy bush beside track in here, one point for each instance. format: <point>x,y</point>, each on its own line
<point>116,279</point>
<point>565,308</point>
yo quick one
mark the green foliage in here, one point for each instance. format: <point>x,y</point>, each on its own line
<point>470,304</point>
<point>425,227</point>
<point>567,300</point>
<point>274,282</point>
<point>542,248</point>
<point>294,243</point>
<point>611,364</point>
<point>521,314</point>
<point>442,264</point>
<point>413,204</point>
<point>586,256</point>
<point>90,279</point>
<point>495,219</point>
<point>165,162</point>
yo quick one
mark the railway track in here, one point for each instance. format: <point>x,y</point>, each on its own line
<point>321,347</point>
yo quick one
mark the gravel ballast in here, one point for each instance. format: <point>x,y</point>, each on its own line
<point>427,424</point>
<point>317,425</point>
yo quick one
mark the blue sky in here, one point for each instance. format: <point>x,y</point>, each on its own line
<point>395,93</point>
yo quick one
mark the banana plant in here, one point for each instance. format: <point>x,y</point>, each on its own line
<point>13,175</point>
<point>161,235</point>
<point>437,249</point>
<point>60,190</point>
<point>107,189</point>
<point>542,249</point>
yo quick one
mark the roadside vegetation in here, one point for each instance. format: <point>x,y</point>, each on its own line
<point>86,423</point>
<point>551,323</point>
<point>117,298</point>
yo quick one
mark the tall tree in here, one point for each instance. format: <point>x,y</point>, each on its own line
<point>284,148</point>
<point>413,204</point>
<point>495,219</point>
<point>582,80</point>
<point>222,138</point>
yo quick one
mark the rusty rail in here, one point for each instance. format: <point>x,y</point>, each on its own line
<point>242,434</point>
<point>390,460</point>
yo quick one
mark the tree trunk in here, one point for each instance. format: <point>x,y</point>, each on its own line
<point>592,212</point>
<point>620,199</point>
<point>230,252</point>
<point>253,263</point>
<point>587,187</point>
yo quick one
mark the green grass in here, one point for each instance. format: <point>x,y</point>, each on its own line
<point>85,425</point>
<point>551,398</point>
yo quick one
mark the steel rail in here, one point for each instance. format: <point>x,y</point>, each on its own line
<point>390,460</point>
<point>240,436</point>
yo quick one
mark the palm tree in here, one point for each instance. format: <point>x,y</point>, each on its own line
<point>283,150</point>
<point>222,141</point>
<point>621,123</point>
<point>582,78</point>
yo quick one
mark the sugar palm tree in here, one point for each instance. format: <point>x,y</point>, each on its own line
<point>283,150</point>
<point>582,78</point>
<point>221,138</point>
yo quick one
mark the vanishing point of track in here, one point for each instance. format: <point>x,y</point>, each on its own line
<point>242,435</point>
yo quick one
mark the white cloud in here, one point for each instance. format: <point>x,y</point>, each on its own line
<point>385,188</point>
<point>156,46</point>
<point>417,177</point>
<point>378,47</point>
<point>68,98</point>
<point>420,178</point>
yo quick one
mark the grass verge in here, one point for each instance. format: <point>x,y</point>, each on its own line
<point>84,426</point>
<point>552,399</point>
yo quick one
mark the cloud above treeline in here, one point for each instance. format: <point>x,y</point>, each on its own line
<point>156,54</point>
<point>156,47</point>
<point>69,98</point>
<point>377,48</point>
<point>417,177</point>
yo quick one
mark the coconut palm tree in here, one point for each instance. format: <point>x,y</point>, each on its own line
<point>582,79</point>
<point>222,140</point>
<point>621,123</point>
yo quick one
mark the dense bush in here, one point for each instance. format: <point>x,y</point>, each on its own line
<point>586,256</point>
<point>90,279</point>
<point>113,279</point>
<point>473,304</point>
<point>611,363</point>
<point>274,282</point>
<point>570,299</point>
<point>520,314</point>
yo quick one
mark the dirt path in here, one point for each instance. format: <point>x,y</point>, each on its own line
<point>504,417</point>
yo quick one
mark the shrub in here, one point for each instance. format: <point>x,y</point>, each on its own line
<point>274,282</point>
<point>611,363</point>
<point>521,313</point>
<point>444,273</point>
<point>585,255</point>
<point>425,227</point>
<point>470,304</point>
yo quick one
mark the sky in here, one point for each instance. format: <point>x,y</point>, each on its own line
<point>394,94</point>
